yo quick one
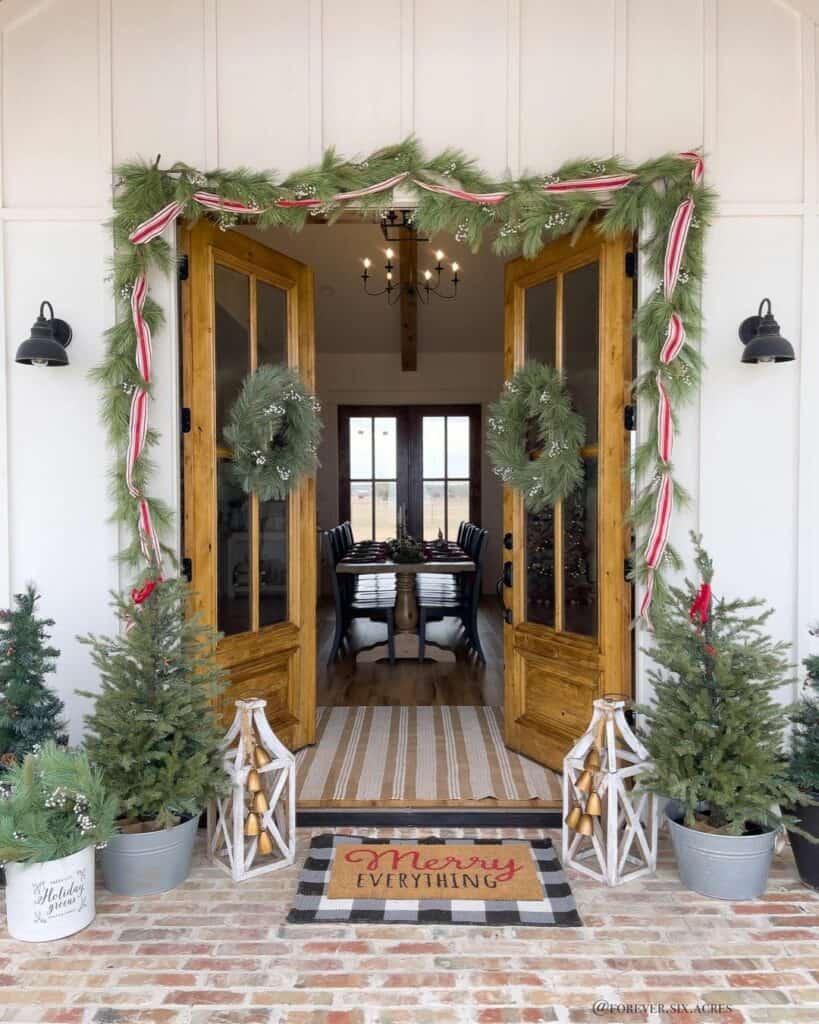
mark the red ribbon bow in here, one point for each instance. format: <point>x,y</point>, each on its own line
<point>143,593</point>
<point>701,603</point>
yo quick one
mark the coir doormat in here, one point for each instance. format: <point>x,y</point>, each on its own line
<point>446,881</point>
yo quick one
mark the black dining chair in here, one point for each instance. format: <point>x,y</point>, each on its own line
<point>350,604</point>
<point>462,605</point>
<point>445,584</point>
<point>363,583</point>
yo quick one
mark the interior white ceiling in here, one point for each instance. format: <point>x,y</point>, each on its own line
<point>347,320</point>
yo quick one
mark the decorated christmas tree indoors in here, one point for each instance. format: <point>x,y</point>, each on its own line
<point>716,727</point>
<point>153,730</point>
<point>30,713</point>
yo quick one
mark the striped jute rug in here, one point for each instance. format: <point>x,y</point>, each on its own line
<point>411,756</point>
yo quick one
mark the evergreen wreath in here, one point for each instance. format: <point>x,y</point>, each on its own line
<point>536,397</point>
<point>274,429</point>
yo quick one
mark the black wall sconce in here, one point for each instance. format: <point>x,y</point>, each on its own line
<point>48,341</point>
<point>762,340</point>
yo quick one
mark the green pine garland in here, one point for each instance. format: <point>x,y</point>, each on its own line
<point>274,430</point>
<point>536,394</point>
<point>523,222</point>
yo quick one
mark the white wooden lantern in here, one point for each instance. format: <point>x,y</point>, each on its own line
<point>251,746</point>
<point>622,840</point>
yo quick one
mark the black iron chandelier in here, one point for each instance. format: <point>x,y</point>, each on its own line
<point>398,226</point>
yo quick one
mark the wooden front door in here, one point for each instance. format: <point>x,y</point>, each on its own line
<point>253,564</point>
<point>568,640</point>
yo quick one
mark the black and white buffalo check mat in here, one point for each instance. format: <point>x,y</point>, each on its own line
<point>416,881</point>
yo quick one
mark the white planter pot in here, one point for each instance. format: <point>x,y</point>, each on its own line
<point>50,900</point>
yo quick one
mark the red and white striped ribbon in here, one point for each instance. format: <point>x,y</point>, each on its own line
<point>341,197</point>
<point>137,432</point>
<point>674,339</point>
<point>699,164</point>
<point>665,423</point>
<point>486,198</point>
<point>675,246</point>
<point>672,346</point>
<point>658,537</point>
<point>371,190</point>
<point>155,225</point>
<point>143,332</point>
<point>148,539</point>
<point>602,183</point>
<point>211,201</point>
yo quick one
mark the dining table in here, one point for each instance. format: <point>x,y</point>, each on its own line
<point>407,643</point>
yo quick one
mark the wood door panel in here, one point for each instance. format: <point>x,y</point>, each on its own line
<point>274,661</point>
<point>554,696</point>
<point>263,677</point>
<point>552,676</point>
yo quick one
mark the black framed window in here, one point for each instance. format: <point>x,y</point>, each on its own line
<point>419,463</point>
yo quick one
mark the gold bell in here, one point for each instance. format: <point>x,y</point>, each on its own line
<point>585,782</point>
<point>592,762</point>
<point>251,825</point>
<point>254,782</point>
<point>573,817</point>
<point>261,757</point>
<point>594,806</point>
<point>260,804</point>
<point>586,825</point>
<point>265,844</point>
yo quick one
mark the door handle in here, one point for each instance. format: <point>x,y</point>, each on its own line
<point>505,580</point>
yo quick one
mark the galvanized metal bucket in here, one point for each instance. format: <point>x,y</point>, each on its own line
<point>724,867</point>
<point>142,863</point>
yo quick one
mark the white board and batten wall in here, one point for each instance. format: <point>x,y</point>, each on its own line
<point>522,84</point>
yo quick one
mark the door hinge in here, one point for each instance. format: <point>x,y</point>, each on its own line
<point>628,569</point>
<point>187,569</point>
<point>631,264</point>
<point>183,267</point>
<point>508,541</point>
<point>630,417</point>
<point>186,420</point>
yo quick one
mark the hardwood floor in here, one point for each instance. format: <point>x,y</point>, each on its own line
<point>407,683</point>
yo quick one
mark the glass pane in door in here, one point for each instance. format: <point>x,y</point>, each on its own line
<point>580,579</point>
<point>271,324</point>
<point>233,558</point>
<point>434,446</point>
<point>434,509</point>
<point>457,447</point>
<point>581,305</point>
<point>457,506</point>
<point>540,335</point>
<point>273,528</point>
<point>361,510</point>
<point>361,447</point>
<point>385,447</point>
<point>232,340</point>
<point>386,509</point>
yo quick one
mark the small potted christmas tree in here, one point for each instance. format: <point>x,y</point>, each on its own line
<point>804,773</point>
<point>30,713</point>
<point>155,735</point>
<point>716,735</point>
<point>54,810</point>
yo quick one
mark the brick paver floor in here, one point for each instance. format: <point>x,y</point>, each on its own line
<point>212,952</point>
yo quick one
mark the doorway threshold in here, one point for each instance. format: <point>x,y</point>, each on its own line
<point>428,817</point>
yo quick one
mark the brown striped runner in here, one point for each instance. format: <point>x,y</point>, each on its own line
<point>374,756</point>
